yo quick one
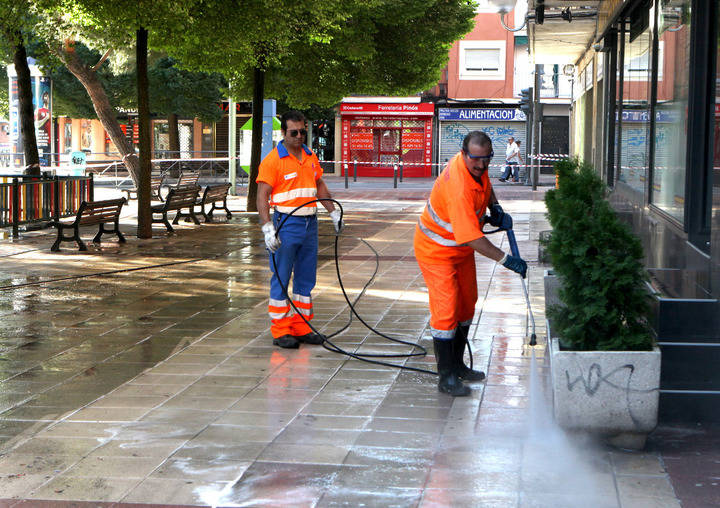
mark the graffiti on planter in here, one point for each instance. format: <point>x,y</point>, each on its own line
<point>594,379</point>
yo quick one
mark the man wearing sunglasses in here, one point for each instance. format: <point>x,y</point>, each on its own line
<point>290,176</point>
<point>447,236</point>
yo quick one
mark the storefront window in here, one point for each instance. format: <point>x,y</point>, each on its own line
<point>634,126</point>
<point>668,185</point>
<point>162,140</point>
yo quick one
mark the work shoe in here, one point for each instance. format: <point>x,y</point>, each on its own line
<point>310,338</point>
<point>287,341</point>
<point>449,382</point>
<point>458,343</point>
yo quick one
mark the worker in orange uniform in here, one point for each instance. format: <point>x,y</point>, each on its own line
<point>447,236</point>
<point>289,176</point>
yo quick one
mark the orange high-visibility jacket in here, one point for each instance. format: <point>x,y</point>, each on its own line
<point>293,182</point>
<point>452,214</point>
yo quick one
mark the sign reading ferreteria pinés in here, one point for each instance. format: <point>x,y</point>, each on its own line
<point>495,114</point>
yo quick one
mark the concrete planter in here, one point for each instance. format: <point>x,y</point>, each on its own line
<point>609,393</point>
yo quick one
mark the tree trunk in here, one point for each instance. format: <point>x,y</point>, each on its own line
<point>144,216</point>
<point>257,119</point>
<point>105,112</point>
<point>173,136</point>
<point>26,115</point>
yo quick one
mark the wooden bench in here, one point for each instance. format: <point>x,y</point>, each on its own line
<point>92,213</point>
<point>156,182</point>
<point>214,194</point>
<point>177,199</point>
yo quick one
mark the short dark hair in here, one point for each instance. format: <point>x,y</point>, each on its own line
<point>518,141</point>
<point>478,138</point>
<point>293,115</point>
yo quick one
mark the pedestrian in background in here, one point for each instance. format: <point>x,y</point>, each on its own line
<point>289,176</point>
<point>447,236</point>
<point>516,167</point>
<point>512,158</point>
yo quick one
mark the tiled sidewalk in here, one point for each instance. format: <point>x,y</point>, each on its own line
<point>157,383</point>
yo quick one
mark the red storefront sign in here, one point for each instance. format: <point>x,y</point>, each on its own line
<point>377,137</point>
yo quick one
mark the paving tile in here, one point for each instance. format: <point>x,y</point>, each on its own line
<point>172,492</point>
<point>56,446</point>
<point>110,467</point>
<point>389,497</point>
<point>305,453</point>
<point>84,489</point>
<point>201,470</point>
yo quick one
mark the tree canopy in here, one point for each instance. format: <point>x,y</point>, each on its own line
<point>317,52</point>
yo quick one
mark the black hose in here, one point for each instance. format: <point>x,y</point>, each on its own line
<point>327,344</point>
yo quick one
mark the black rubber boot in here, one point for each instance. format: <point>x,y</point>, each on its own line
<point>310,338</point>
<point>287,341</point>
<point>459,343</point>
<point>449,381</point>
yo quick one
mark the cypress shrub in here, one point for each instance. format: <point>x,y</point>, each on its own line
<point>599,262</point>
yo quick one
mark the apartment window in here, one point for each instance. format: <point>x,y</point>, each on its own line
<point>482,60</point>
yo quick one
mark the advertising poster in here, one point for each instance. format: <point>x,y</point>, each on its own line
<point>86,135</point>
<point>43,114</point>
<point>14,128</point>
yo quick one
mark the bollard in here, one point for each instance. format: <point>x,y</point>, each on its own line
<point>56,198</point>
<point>402,166</point>
<point>15,207</point>
<point>355,171</point>
<point>395,176</point>
<point>91,190</point>
<point>346,175</point>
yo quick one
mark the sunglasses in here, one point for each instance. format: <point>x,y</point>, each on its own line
<point>481,157</point>
<point>294,132</point>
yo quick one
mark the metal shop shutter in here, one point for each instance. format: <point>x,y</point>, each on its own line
<point>452,134</point>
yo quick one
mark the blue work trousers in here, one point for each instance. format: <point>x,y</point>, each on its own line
<point>296,256</point>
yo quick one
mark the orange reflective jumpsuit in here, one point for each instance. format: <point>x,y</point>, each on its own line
<point>451,219</point>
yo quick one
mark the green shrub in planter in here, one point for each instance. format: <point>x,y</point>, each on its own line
<point>598,260</point>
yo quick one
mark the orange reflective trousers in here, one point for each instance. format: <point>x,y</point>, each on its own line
<point>452,289</point>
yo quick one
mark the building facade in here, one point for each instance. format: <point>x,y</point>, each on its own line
<point>481,89</point>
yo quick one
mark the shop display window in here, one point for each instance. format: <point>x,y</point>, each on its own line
<point>667,191</point>
<point>634,126</point>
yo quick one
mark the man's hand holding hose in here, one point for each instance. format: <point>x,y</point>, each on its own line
<point>503,220</point>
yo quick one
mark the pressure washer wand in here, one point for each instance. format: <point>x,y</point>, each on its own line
<point>515,252</point>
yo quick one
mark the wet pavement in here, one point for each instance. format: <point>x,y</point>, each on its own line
<point>144,374</point>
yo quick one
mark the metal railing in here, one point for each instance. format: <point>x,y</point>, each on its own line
<point>208,169</point>
<point>35,199</point>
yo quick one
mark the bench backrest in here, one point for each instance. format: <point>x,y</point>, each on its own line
<point>156,181</point>
<point>97,212</point>
<point>182,197</point>
<point>190,178</point>
<point>215,192</point>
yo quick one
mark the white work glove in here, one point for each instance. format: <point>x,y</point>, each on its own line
<point>272,242</point>
<point>336,217</point>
